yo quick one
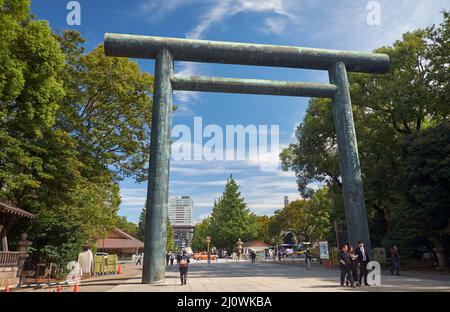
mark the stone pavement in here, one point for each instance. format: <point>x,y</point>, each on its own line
<point>266,277</point>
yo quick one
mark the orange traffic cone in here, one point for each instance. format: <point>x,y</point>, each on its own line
<point>119,270</point>
<point>7,289</point>
<point>58,288</point>
<point>76,288</point>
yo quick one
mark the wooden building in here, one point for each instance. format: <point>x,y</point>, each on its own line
<point>120,243</point>
<point>11,262</point>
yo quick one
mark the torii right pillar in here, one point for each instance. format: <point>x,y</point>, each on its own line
<point>355,208</point>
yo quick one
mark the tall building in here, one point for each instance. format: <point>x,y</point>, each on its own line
<point>180,210</point>
<point>180,216</point>
<point>286,201</point>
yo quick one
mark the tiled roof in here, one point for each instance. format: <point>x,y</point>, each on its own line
<point>256,244</point>
<point>8,208</point>
<point>118,239</point>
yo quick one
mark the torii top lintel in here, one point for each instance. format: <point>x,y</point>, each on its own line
<point>206,51</point>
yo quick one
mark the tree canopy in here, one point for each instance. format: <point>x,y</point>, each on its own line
<point>231,220</point>
<point>394,113</point>
<point>72,124</point>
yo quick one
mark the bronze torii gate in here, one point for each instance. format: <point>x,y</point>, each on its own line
<point>167,50</point>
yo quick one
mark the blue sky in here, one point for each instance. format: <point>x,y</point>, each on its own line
<point>322,24</point>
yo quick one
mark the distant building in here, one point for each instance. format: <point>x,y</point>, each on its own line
<point>180,210</point>
<point>180,216</point>
<point>120,243</point>
<point>183,235</point>
<point>286,201</point>
<point>256,246</point>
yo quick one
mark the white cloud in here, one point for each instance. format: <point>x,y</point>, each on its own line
<point>157,9</point>
<point>227,8</point>
<point>275,25</point>
<point>350,30</point>
<point>200,183</point>
<point>202,168</point>
<point>221,10</point>
<point>133,197</point>
<point>186,97</point>
<point>205,180</point>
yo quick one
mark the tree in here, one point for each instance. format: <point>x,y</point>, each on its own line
<point>263,227</point>
<point>424,181</point>
<point>71,125</point>
<point>127,226</point>
<point>303,220</point>
<point>201,231</point>
<point>294,219</point>
<point>314,157</point>
<point>30,93</point>
<point>231,219</point>
<point>387,109</point>
<point>107,107</point>
<point>170,243</point>
<point>439,56</point>
<point>141,225</point>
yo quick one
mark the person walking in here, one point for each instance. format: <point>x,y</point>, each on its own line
<point>395,260</point>
<point>178,258</point>
<point>139,259</point>
<point>308,259</point>
<point>172,258</point>
<point>183,267</point>
<point>167,258</point>
<point>363,260</point>
<point>345,266</point>
<point>253,256</point>
<point>279,255</point>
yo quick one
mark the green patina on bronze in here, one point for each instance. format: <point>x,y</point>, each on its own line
<point>166,50</point>
<point>243,53</point>
<point>352,186</point>
<point>253,86</point>
<point>158,179</point>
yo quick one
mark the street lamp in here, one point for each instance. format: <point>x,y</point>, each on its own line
<point>208,240</point>
<point>239,248</point>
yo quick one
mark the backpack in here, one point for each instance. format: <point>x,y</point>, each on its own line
<point>183,263</point>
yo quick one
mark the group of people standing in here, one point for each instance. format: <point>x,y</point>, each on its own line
<point>170,258</point>
<point>353,265</point>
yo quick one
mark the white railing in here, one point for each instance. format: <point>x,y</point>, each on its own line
<point>9,258</point>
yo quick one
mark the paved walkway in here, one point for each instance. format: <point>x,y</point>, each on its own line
<point>266,277</point>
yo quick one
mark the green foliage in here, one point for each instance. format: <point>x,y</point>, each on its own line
<point>141,225</point>
<point>108,107</point>
<point>30,90</point>
<point>306,220</point>
<point>388,110</point>
<point>231,219</point>
<point>170,243</point>
<point>262,228</point>
<point>201,231</point>
<point>424,181</point>
<point>71,125</point>
<point>314,157</point>
<point>127,226</point>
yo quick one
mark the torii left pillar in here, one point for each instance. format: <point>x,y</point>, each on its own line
<point>158,182</point>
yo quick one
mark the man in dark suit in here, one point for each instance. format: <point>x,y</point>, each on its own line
<point>363,259</point>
